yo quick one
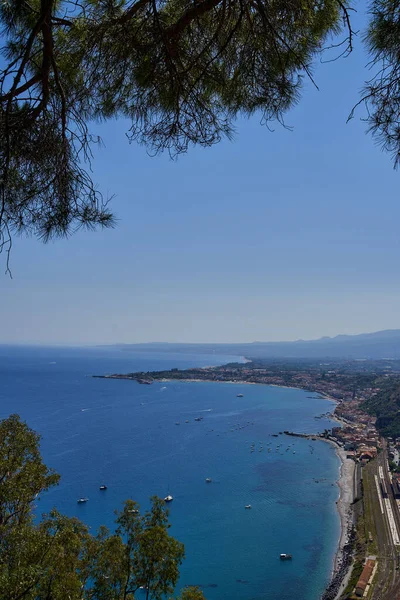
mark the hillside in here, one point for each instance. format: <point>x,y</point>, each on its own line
<point>378,345</point>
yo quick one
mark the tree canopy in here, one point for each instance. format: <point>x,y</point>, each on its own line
<point>180,70</point>
<point>57,557</point>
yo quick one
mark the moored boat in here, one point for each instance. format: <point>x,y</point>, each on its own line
<point>168,498</point>
<point>285,556</point>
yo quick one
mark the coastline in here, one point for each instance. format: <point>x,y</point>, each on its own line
<point>232,381</point>
<point>344,503</point>
<point>345,482</point>
<point>341,566</point>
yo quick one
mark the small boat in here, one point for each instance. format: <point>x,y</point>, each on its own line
<point>248,506</point>
<point>103,487</point>
<point>285,556</point>
<point>198,418</point>
<point>168,498</point>
<point>82,500</point>
<point>239,395</point>
<point>208,480</point>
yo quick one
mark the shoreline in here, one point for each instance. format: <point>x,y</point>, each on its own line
<point>341,566</point>
<point>323,395</point>
<point>345,484</point>
<point>342,562</point>
<point>341,570</point>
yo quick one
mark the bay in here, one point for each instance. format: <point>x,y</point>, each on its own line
<point>125,435</point>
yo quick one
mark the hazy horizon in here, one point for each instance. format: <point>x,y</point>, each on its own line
<point>178,342</point>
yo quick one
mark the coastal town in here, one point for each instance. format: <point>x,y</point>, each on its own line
<point>368,558</point>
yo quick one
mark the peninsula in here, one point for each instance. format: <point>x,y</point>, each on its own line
<point>365,387</point>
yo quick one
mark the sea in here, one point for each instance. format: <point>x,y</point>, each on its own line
<point>143,440</point>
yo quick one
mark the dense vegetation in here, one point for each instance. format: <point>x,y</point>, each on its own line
<point>349,376</point>
<point>57,558</point>
<point>386,407</point>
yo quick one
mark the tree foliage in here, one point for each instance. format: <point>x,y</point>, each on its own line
<point>382,92</point>
<point>23,475</point>
<point>191,593</point>
<point>180,70</point>
<point>57,557</point>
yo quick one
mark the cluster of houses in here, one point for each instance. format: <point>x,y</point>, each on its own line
<point>358,435</point>
<point>304,379</point>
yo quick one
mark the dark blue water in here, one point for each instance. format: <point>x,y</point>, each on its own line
<point>125,435</point>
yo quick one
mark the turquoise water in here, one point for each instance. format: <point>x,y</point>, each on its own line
<point>125,435</point>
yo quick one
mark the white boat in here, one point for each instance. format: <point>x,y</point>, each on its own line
<point>103,487</point>
<point>82,500</point>
<point>208,480</point>
<point>285,556</point>
<point>248,506</point>
<point>168,498</point>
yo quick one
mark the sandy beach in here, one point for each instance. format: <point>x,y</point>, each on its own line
<point>346,496</point>
<point>342,561</point>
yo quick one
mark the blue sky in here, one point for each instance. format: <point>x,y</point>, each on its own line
<point>274,236</point>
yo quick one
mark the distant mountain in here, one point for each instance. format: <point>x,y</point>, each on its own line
<point>381,344</point>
